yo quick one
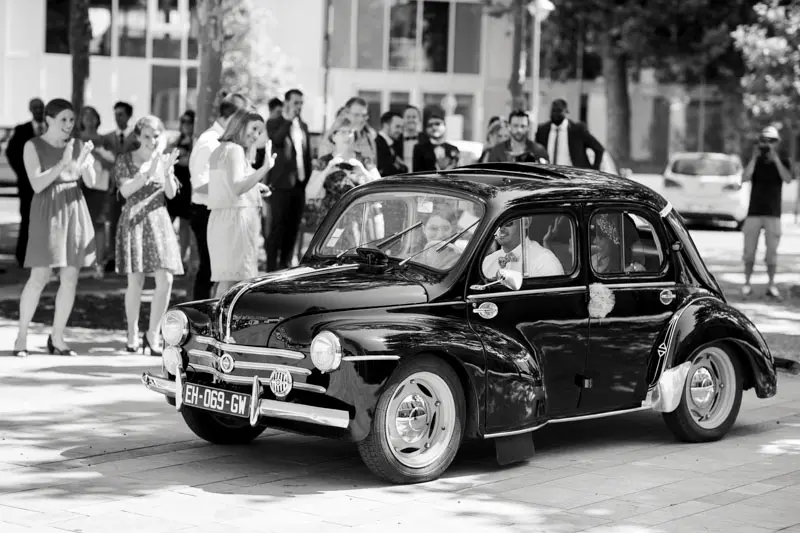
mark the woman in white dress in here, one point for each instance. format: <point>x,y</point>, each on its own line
<point>235,196</point>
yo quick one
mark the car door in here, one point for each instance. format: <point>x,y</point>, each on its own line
<point>536,337</point>
<point>632,296</point>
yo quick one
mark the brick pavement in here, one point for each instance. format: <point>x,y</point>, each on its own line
<point>85,448</point>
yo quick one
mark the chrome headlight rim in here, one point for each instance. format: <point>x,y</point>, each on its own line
<point>335,351</point>
<point>172,359</point>
<point>183,322</point>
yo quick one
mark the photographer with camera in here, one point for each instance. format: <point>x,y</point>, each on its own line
<point>767,172</point>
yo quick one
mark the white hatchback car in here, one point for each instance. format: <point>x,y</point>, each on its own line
<point>707,187</point>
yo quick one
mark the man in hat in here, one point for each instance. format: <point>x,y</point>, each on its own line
<point>433,153</point>
<point>767,172</point>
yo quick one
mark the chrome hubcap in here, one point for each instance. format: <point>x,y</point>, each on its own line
<point>420,420</point>
<point>710,397</point>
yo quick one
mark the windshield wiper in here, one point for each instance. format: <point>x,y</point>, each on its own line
<point>440,246</point>
<point>383,241</point>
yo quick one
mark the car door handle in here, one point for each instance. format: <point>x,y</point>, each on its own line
<point>485,310</point>
<point>667,296</point>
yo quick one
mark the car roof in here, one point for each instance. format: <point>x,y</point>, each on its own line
<point>509,183</point>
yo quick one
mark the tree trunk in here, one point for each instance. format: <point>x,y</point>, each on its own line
<point>80,35</point>
<point>618,110</point>
<point>518,67</point>
<point>209,80</point>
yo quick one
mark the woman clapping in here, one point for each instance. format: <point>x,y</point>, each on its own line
<point>146,241</point>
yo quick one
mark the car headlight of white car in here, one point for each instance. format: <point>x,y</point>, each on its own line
<point>174,328</point>
<point>326,351</point>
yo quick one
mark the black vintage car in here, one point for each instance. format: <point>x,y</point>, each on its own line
<point>481,302</point>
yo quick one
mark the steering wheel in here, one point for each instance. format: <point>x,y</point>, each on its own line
<point>372,256</point>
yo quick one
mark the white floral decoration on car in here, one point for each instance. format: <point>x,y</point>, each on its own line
<point>601,300</point>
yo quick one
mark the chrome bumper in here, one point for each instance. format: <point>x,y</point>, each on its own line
<point>258,407</point>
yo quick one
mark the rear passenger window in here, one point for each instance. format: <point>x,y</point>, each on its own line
<point>624,243</point>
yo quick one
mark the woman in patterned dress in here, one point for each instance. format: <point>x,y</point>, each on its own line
<point>146,240</point>
<point>338,172</point>
<point>61,233</point>
<point>235,193</point>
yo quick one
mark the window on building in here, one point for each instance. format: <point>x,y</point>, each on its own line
<point>465,107</point>
<point>194,29</point>
<point>370,30</point>
<point>131,26</point>
<point>57,27</point>
<point>165,94</point>
<point>624,243</point>
<point>403,35</point>
<point>374,106</point>
<point>191,88</point>
<point>435,35</point>
<point>341,34</point>
<point>398,102</point>
<point>467,38</point>
<point>166,28</point>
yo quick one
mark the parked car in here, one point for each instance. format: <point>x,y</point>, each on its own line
<point>486,305</point>
<point>707,187</point>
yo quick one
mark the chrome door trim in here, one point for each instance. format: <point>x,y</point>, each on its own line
<point>547,290</point>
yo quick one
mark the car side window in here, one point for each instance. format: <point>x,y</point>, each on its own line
<point>538,246</point>
<point>624,243</point>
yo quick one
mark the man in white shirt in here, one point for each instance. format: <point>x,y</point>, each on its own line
<point>567,141</point>
<point>539,261</point>
<point>198,169</point>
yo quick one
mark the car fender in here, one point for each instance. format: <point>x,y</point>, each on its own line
<point>707,319</point>
<point>374,344</point>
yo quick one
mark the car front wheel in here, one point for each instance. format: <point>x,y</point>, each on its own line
<point>220,429</point>
<point>711,397</point>
<point>418,424</point>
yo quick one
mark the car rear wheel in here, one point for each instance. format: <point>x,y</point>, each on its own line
<point>418,424</point>
<point>712,396</point>
<point>220,429</point>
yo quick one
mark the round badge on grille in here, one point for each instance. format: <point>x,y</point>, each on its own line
<point>280,383</point>
<point>226,363</point>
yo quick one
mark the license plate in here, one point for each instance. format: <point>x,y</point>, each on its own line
<point>217,400</point>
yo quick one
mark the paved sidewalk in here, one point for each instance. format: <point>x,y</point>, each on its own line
<point>84,447</point>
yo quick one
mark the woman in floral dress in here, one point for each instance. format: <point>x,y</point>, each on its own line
<point>146,240</point>
<point>61,234</point>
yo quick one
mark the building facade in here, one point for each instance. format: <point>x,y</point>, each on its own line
<point>391,52</point>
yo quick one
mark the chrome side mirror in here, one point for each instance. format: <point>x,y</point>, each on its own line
<point>510,279</point>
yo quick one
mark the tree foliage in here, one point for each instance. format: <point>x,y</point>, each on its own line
<point>771,50</point>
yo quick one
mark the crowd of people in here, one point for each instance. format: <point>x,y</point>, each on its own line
<point>136,203</point>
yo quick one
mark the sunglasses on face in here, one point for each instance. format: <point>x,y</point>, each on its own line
<point>435,124</point>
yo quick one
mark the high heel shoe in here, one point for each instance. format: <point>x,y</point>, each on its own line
<point>136,347</point>
<point>58,351</point>
<point>147,346</point>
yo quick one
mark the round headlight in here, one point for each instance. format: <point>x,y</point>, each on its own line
<point>326,351</point>
<point>174,328</point>
<point>172,359</point>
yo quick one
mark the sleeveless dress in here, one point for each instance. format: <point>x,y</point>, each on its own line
<point>61,233</point>
<point>146,240</point>
<point>234,226</point>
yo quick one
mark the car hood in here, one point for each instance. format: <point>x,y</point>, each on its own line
<point>264,302</point>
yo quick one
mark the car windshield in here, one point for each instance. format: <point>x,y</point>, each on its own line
<point>705,166</point>
<point>423,219</point>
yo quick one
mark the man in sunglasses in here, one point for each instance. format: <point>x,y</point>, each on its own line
<point>434,153</point>
<point>767,172</point>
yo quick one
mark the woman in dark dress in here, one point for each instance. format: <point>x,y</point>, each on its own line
<point>61,233</point>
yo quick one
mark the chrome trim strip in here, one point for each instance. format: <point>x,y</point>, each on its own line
<point>508,294</point>
<point>244,380</point>
<point>263,366</point>
<point>643,407</point>
<point>292,274</point>
<point>512,433</point>
<point>642,285</point>
<point>252,350</point>
<point>664,212</point>
<point>284,410</point>
<point>358,358</point>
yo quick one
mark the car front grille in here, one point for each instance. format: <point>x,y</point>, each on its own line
<point>249,361</point>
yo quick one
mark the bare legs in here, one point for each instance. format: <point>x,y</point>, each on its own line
<point>29,301</point>
<point>160,302</point>
<point>222,288</point>
<point>133,302</point>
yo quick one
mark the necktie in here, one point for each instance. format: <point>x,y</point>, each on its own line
<point>121,141</point>
<point>506,259</point>
<point>555,147</point>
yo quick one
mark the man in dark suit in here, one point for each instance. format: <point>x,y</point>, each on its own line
<point>22,134</point>
<point>433,153</point>
<point>567,141</point>
<point>411,136</point>
<point>119,141</point>
<point>287,179</point>
<point>518,148</point>
<point>387,160</point>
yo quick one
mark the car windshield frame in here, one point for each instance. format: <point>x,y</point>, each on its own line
<point>330,224</point>
<point>703,163</point>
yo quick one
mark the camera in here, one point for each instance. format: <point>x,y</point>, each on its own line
<point>763,149</point>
